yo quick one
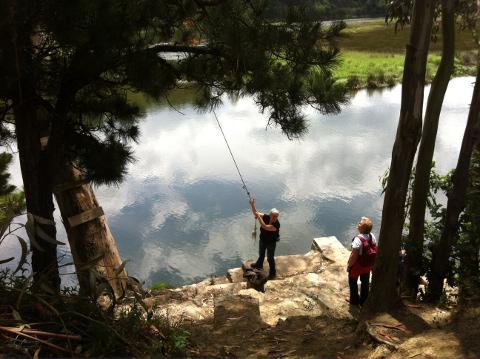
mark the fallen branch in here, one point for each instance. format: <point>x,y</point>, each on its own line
<point>399,326</point>
<point>53,346</point>
<point>414,306</point>
<point>388,336</point>
<point>290,352</point>
<point>378,338</point>
<point>42,333</point>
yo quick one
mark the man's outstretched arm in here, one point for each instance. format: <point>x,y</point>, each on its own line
<point>254,208</point>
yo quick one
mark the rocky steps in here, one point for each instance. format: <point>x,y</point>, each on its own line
<point>303,313</point>
<point>312,284</point>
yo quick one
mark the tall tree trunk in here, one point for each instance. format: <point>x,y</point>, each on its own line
<point>469,248</point>
<point>92,244</point>
<point>38,196</point>
<point>456,199</point>
<point>421,186</point>
<point>384,294</point>
<point>34,162</point>
<point>469,288</point>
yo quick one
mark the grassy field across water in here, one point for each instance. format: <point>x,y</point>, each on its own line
<point>373,54</point>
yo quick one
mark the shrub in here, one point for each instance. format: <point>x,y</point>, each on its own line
<point>381,77</point>
<point>161,285</point>
<point>131,330</point>
<point>353,82</point>
<point>391,81</point>
<point>371,81</point>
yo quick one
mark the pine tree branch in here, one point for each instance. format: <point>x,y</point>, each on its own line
<point>205,3</point>
<point>200,50</point>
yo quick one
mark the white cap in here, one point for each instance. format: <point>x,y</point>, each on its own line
<point>274,211</point>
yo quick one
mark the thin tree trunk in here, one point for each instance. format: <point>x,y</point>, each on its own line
<point>456,199</point>
<point>34,162</point>
<point>469,248</point>
<point>90,240</point>
<point>384,294</point>
<point>421,187</point>
<point>469,288</point>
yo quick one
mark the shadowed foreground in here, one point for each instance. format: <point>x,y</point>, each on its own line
<point>304,314</point>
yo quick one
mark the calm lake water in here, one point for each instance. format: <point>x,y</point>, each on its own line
<point>182,215</point>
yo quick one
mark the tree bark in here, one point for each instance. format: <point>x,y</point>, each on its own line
<point>469,287</point>
<point>34,162</point>
<point>92,244</point>
<point>421,187</point>
<point>469,248</point>
<point>384,293</point>
<point>456,199</point>
<point>38,196</point>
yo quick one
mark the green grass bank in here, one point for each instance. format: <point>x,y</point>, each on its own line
<point>372,54</point>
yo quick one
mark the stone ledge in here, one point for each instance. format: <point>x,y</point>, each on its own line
<point>331,249</point>
<point>307,285</point>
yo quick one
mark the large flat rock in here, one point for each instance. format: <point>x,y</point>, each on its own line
<point>331,249</point>
<point>287,266</point>
<point>313,284</point>
<point>306,294</point>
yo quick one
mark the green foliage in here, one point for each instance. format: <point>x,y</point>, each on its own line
<point>161,285</point>
<point>12,204</point>
<point>399,11</point>
<point>439,185</point>
<point>380,69</point>
<point>391,81</point>
<point>90,54</point>
<point>467,250</point>
<point>180,340</point>
<point>371,81</point>
<point>328,9</point>
<point>372,47</point>
<point>129,331</point>
<point>5,187</point>
<point>353,82</point>
<point>374,36</point>
<point>272,62</point>
<point>465,260</point>
<point>369,68</point>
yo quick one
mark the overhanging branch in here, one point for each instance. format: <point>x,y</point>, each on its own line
<point>200,49</point>
<point>204,3</point>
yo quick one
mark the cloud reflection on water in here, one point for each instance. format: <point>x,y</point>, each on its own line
<point>182,214</point>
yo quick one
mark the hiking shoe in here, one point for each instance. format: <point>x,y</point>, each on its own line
<point>271,276</point>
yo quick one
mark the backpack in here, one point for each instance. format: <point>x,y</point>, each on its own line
<point>369,252</point>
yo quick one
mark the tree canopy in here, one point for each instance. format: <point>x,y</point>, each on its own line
<point>85,56</point>
<point>66,69</point>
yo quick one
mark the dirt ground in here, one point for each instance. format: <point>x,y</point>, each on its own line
<point>295,337</point>
<point>412,331</point>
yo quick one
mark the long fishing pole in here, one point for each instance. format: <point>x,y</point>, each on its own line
<point>233,157</point>
<point>254,232</point>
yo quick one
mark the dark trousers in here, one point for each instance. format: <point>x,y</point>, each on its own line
<point>269,247</point>
<point>364,287</point>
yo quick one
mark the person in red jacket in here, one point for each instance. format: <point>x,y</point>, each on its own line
<point>361,261</point>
